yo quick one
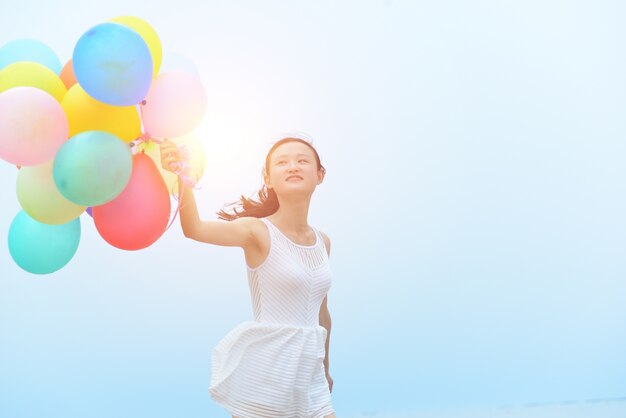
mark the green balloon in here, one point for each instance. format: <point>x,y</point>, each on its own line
<point>42,248</point>
<point>92,168</point>
<point>39,197</point>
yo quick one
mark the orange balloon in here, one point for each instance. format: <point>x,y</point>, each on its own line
<point>138,216</point>
<point>67,75</point>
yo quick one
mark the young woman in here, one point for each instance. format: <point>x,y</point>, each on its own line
<point>277,364</point>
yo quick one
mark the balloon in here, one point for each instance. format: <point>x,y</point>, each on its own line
<point>32,126</point>
<point>173,61</point>
<point>89,211</point>
<point>175,105</point>
<point>139,215</point>
<point>84,113</point>
<point>197,160</point>
<point>40,198</point>
<point>92,168</point>
<point>32,74</point>
<point>40,248</point>
<point>113,64</point>
<point>67,75</point>
<point>29,50</point>
<point>148,34</point>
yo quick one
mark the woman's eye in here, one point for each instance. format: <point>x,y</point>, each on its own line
<point>303,161</point>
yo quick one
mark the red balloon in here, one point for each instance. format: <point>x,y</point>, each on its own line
<point>138,216</point>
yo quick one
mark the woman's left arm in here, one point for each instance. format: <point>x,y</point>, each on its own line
<point>326,322</point>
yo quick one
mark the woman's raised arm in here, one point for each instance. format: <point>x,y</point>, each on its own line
<point>237,233</point>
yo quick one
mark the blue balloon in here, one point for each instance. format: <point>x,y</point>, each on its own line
<point>113,64</point>
<point>41,248</point>
<point>92,168</point>
<point>29,50</point>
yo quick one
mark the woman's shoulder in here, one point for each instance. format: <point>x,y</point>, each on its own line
<point>250,220</point>
<point>326,240</point>
<point>256,227</point>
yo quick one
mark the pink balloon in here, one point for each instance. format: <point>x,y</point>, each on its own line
<point>174,105</point>
<point>33,126</point>
<point>138,216</point>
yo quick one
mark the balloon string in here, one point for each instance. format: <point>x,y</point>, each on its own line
<point>184,180</point>
<point>182,167</point>
<point>178,205</point>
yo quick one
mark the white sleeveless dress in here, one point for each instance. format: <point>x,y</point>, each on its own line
<point>273,366</point>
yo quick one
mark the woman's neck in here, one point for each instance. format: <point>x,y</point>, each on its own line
<point>292,215</point>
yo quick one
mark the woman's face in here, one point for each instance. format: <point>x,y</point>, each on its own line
<point>293,169</point>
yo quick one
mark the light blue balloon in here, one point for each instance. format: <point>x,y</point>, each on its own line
<point>41,248</point>
<point>113,64</point>
<point>29,50</point>
<point>92,168</point>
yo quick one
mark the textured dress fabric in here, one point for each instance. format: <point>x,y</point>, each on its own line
<point>273,366</point>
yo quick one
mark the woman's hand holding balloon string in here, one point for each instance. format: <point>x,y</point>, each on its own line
<point>170,156</point>
<point>175,159</point>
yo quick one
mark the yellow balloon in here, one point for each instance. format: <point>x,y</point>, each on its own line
<point>197,159</point>
<point>149,36</point>
<point>84,113</point>
<point>32,74</point>
<point>41,200</point>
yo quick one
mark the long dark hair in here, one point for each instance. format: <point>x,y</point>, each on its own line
<point>267,202</point>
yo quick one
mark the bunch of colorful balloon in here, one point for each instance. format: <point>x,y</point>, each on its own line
<point>83,139</point>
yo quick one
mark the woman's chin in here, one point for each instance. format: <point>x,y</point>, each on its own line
<point>295,189</point>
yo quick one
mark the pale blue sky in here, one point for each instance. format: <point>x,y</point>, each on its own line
<point>475,199</point>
